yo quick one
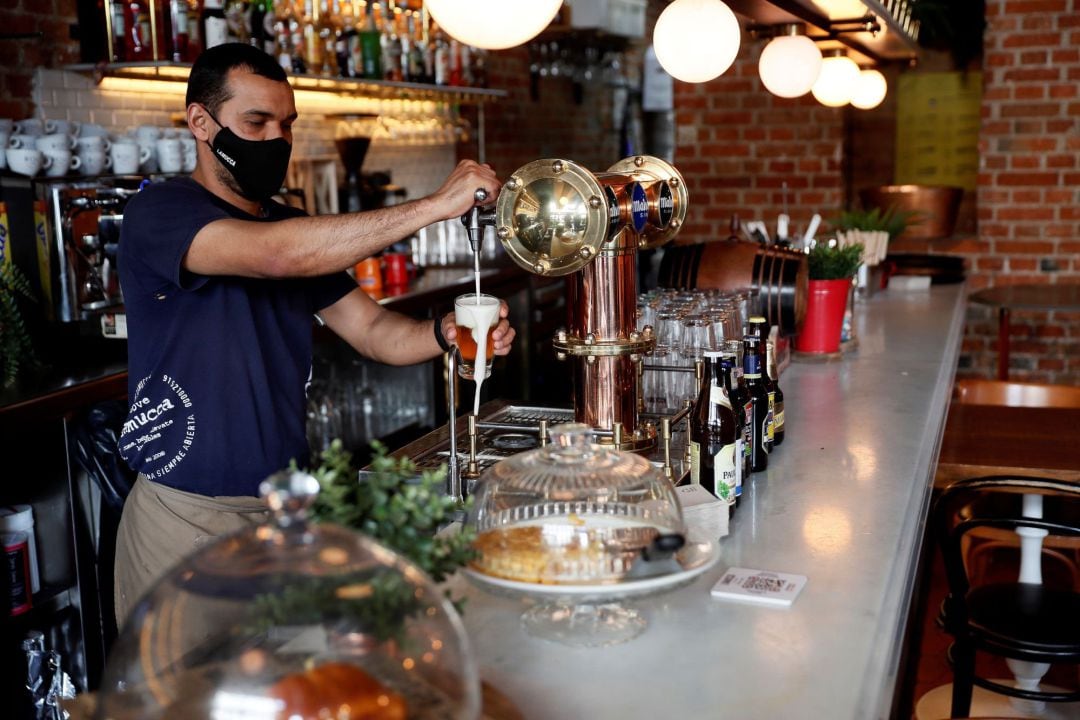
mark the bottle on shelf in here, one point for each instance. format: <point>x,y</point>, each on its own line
<point>737,397</point>
<point>180,40</point>
<point>759,328</point>
<point>370,45</point>
<point>779,430</point>
<point>760,418</point>
<point>346,40</point>
<point>442,58</point>
<point>119,32</point>
<point>326,27</point>
<point>313,46</point>
<point>139,31</point>
<point>238,21</point>
<point>215,28</point>
<point>713,436</point>
<point>390,44</point>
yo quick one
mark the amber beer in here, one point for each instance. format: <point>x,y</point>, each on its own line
<point>469,317</point>
<point>467,347</point>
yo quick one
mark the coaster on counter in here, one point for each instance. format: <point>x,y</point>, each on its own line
<point>759,586</point>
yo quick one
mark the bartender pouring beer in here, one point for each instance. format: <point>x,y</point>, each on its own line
<point>220,284</point>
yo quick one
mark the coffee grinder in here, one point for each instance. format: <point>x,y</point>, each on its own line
<point>361,191</point>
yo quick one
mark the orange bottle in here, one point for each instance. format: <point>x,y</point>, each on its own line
<point>369,277</point>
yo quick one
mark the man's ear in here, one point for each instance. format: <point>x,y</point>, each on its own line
<point>198,121</point>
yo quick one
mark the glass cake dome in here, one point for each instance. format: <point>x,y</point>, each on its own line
<point>291,620</point>
<point>571,513</point>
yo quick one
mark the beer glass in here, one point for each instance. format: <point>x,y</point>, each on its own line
<point>475,320</point>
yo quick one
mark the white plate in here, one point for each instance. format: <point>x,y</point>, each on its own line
<point>696,558</point>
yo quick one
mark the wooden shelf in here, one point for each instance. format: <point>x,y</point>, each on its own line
<point>168,72</point>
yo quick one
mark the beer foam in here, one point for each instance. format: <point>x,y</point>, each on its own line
<point>478,313</point>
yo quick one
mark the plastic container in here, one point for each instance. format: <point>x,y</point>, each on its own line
<point>824,316</point>
<point>20,518</point>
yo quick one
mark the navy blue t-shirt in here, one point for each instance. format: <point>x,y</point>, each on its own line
<point>218,365</point>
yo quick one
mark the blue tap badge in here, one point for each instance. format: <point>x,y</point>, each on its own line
<point>639,207</point>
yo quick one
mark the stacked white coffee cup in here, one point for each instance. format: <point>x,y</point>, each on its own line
<point>55,148</point>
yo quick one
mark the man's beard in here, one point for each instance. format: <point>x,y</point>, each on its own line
<point>226,179</point>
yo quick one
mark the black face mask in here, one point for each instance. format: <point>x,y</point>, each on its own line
<point>258,166</point>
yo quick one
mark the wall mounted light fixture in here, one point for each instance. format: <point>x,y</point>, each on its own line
<point>791,62</point>
<point>836,82</point>
<point>696,40</point>
<point>493,24</point>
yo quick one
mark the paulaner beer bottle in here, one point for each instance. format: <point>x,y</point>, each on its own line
<point>713,436</point>
<point>761,418</point>
<point>773,385</point>
<point>739,403</point>
<point>759,327</point>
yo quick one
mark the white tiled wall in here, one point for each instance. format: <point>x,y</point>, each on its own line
<point>419,168</point>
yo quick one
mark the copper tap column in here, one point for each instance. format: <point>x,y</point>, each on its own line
<point>556,218</point>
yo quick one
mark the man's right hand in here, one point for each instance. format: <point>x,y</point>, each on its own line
<point>456,196</point>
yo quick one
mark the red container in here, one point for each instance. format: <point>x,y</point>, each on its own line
<point>396,274</point>
<point>824,316</point>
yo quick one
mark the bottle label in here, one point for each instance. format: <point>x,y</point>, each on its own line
<point>724,473</point>
<point>217,30</point>
<point>740,455</point>
<point>766,425</point>
<point>751,365</point>
<point>772,416</point>
<point>718,396</point>
<point>778,420</point>
<point>695,463</point>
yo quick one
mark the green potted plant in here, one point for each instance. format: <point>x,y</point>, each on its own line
<point>831,268</point>
<point>873,228</point>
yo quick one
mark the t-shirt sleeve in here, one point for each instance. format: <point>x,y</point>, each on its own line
<point>159,225</point>
<point>326,290</point>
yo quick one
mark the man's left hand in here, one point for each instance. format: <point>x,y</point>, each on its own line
<point>502,338</point>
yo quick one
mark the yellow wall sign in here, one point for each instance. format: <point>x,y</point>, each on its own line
<point>937,128</point>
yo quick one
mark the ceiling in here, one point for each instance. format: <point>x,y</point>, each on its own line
<point>890,44</point>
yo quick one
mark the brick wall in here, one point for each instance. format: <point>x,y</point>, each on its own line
<point>20,57</point>
<point>1029,185</point>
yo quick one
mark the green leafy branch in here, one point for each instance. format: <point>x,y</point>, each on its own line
<point>834,263</point>
<point>893,220</point>
<point>16,350</point>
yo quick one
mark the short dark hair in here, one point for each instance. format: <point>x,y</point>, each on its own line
<point>207,84</point>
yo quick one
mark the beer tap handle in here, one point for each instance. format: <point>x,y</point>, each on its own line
<point>476,220</point>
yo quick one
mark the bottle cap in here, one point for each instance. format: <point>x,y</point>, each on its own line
<point>714,353</point>
<point>757,319</point>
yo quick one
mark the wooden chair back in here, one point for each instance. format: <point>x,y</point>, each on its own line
<point>1015,394</point>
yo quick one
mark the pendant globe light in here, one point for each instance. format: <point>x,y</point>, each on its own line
<point>493,24</point>
<point>836,82</point>
<point>870,90</point>
<point>696,40</point>
<point>791,62</point>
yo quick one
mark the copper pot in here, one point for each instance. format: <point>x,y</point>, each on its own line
<point>936,206</point>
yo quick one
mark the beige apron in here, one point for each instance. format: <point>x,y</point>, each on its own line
<point>161,525</point>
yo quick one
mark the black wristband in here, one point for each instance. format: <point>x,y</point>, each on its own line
<point>439,335</point>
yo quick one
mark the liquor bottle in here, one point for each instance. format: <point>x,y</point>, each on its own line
<point>139,30</point>
<point>442,58</point>
<point>740,402</point>
<point>417,72</point>
<point>215,29</point>
<point>759,328</point>
<point>778,395</point>
<point>237,21</point>
<point>296,41</point>
<point>313,47</point>
<point>326,27</point>
<point>345,39</point>
<point>119,34</point>
<point>713,436</point>
<point>760,418</point>
<point>369,43</point>
<point>194,27</point>
<point>179,45</point>
<point>390,44</point>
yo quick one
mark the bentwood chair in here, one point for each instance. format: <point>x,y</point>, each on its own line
<point>1020,618</point>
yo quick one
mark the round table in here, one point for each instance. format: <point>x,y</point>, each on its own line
<point>1007,298</point>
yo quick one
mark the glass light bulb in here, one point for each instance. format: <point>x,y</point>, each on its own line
<point>836,82</point>
<point>789,65</point>
<point>696,40</point>
<point>870,90</point>
<point>493,24</point>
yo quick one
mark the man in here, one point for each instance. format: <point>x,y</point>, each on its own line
<point>220,285</point>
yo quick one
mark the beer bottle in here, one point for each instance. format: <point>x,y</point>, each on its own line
<point>740,400</point>
<point>759,327</point>
<point>759,400</point>
<point>773,386</point>
<point>713,436</point>
<point>738,406</point>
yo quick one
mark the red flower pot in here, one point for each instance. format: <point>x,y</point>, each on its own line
<point>825,307</point>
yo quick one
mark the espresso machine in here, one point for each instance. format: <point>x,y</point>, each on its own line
<point>556,218</point>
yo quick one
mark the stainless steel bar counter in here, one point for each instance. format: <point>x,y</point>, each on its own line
<point>844,502</point>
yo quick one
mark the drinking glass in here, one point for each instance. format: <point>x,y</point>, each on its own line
<point>474,318</point>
